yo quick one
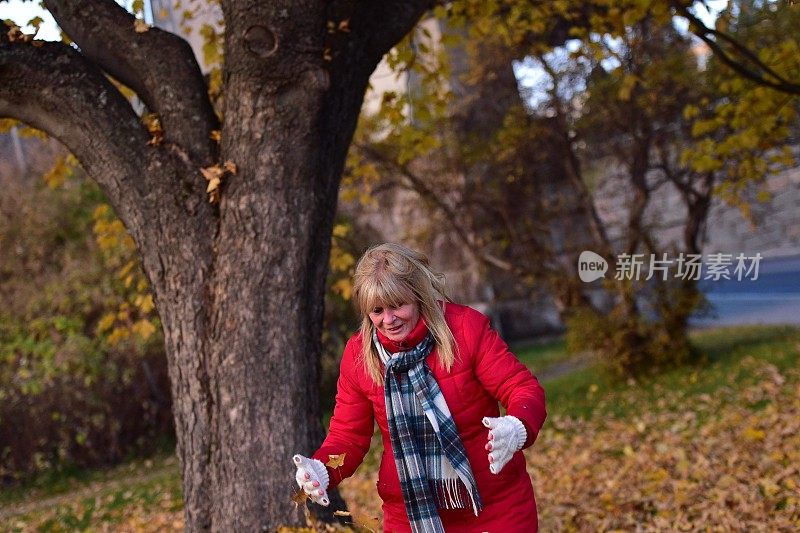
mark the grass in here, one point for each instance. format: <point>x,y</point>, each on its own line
<point>147,492</point>
<point>541,356</point>
<point>139,492</point>
<point>69,477</point>
<point>589,392</point>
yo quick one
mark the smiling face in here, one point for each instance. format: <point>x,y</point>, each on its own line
<point>395,322</point>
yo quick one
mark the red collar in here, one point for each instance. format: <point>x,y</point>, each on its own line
<point>414,338</point>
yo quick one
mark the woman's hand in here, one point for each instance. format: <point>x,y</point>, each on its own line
<point>507,434</point>
<point>312,476</point>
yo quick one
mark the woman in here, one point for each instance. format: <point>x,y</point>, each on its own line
<point>431,373</point>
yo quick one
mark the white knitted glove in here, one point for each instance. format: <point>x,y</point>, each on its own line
<point>312,476</point>
<point>506,435</point>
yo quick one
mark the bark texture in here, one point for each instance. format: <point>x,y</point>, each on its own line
<point>238,284</point>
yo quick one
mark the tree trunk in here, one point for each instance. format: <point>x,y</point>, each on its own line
<point>238,283</point>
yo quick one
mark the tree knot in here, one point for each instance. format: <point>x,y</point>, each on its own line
<point>261,41</point>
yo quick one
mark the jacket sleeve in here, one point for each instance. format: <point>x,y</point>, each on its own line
<point>351,425</point>
<point>504,376</point>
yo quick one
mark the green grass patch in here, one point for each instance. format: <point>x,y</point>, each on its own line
<point>142,487</point>
<point>50,483</point>
<point>55,482</point>
<point>542,355</point>
<point>590,392</point>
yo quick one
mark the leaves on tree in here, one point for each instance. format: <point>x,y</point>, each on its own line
<point>153,125</point>
<point>15,34</point>
<point>140,26</point>
<point>214,175</point>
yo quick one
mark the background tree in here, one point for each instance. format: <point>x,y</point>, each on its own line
<point>518,187</point>
<point>83,378</point>
<point>238,281</point>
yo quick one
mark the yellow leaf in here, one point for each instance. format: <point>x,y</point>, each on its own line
<point>230,166</point>
<point>6,124</point>
<point>100,210</point>
<point>768,487</point>
<point>335,461</point>
<point>147,304</point>
<point>340,261</point>
<point>752,433</point>
<point>212,185</point>
<point>216,135</point>
<point>126,269</point>
<point>117,335</point>
<point>143,328</point>
<point>106,322</point>
<point>299,497</point>
<point>627,450</point>
<point>340,230</point>
<point>344,288</point>
<point>153,125</point>
<point>628,84</point>
<point>212,172</point>
<point>690,111</point>
<point>35,22</point>
<point>56,176</point>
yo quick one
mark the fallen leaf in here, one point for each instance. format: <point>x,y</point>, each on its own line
<point>299,497</point>
<point>212,172</point>
<point>335,461</point>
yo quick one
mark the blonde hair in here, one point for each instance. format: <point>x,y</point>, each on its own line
<point>390,274</point>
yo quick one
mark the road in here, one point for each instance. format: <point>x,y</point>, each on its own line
<point>772,298</point>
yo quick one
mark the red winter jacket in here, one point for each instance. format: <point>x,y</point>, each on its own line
<point>484,373</point>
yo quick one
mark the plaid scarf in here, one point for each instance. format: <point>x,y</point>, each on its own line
<point>431,462</point>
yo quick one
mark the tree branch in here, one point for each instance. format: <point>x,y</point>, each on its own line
<point>159,66</point>
<point>705,34</point>
<point>379,26</point>
<point>360,34</point>
<point>417,185</point>
<point>52,88</point>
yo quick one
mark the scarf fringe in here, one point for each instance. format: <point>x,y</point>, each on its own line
<point>448,493</point>
<point>453,494</point>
